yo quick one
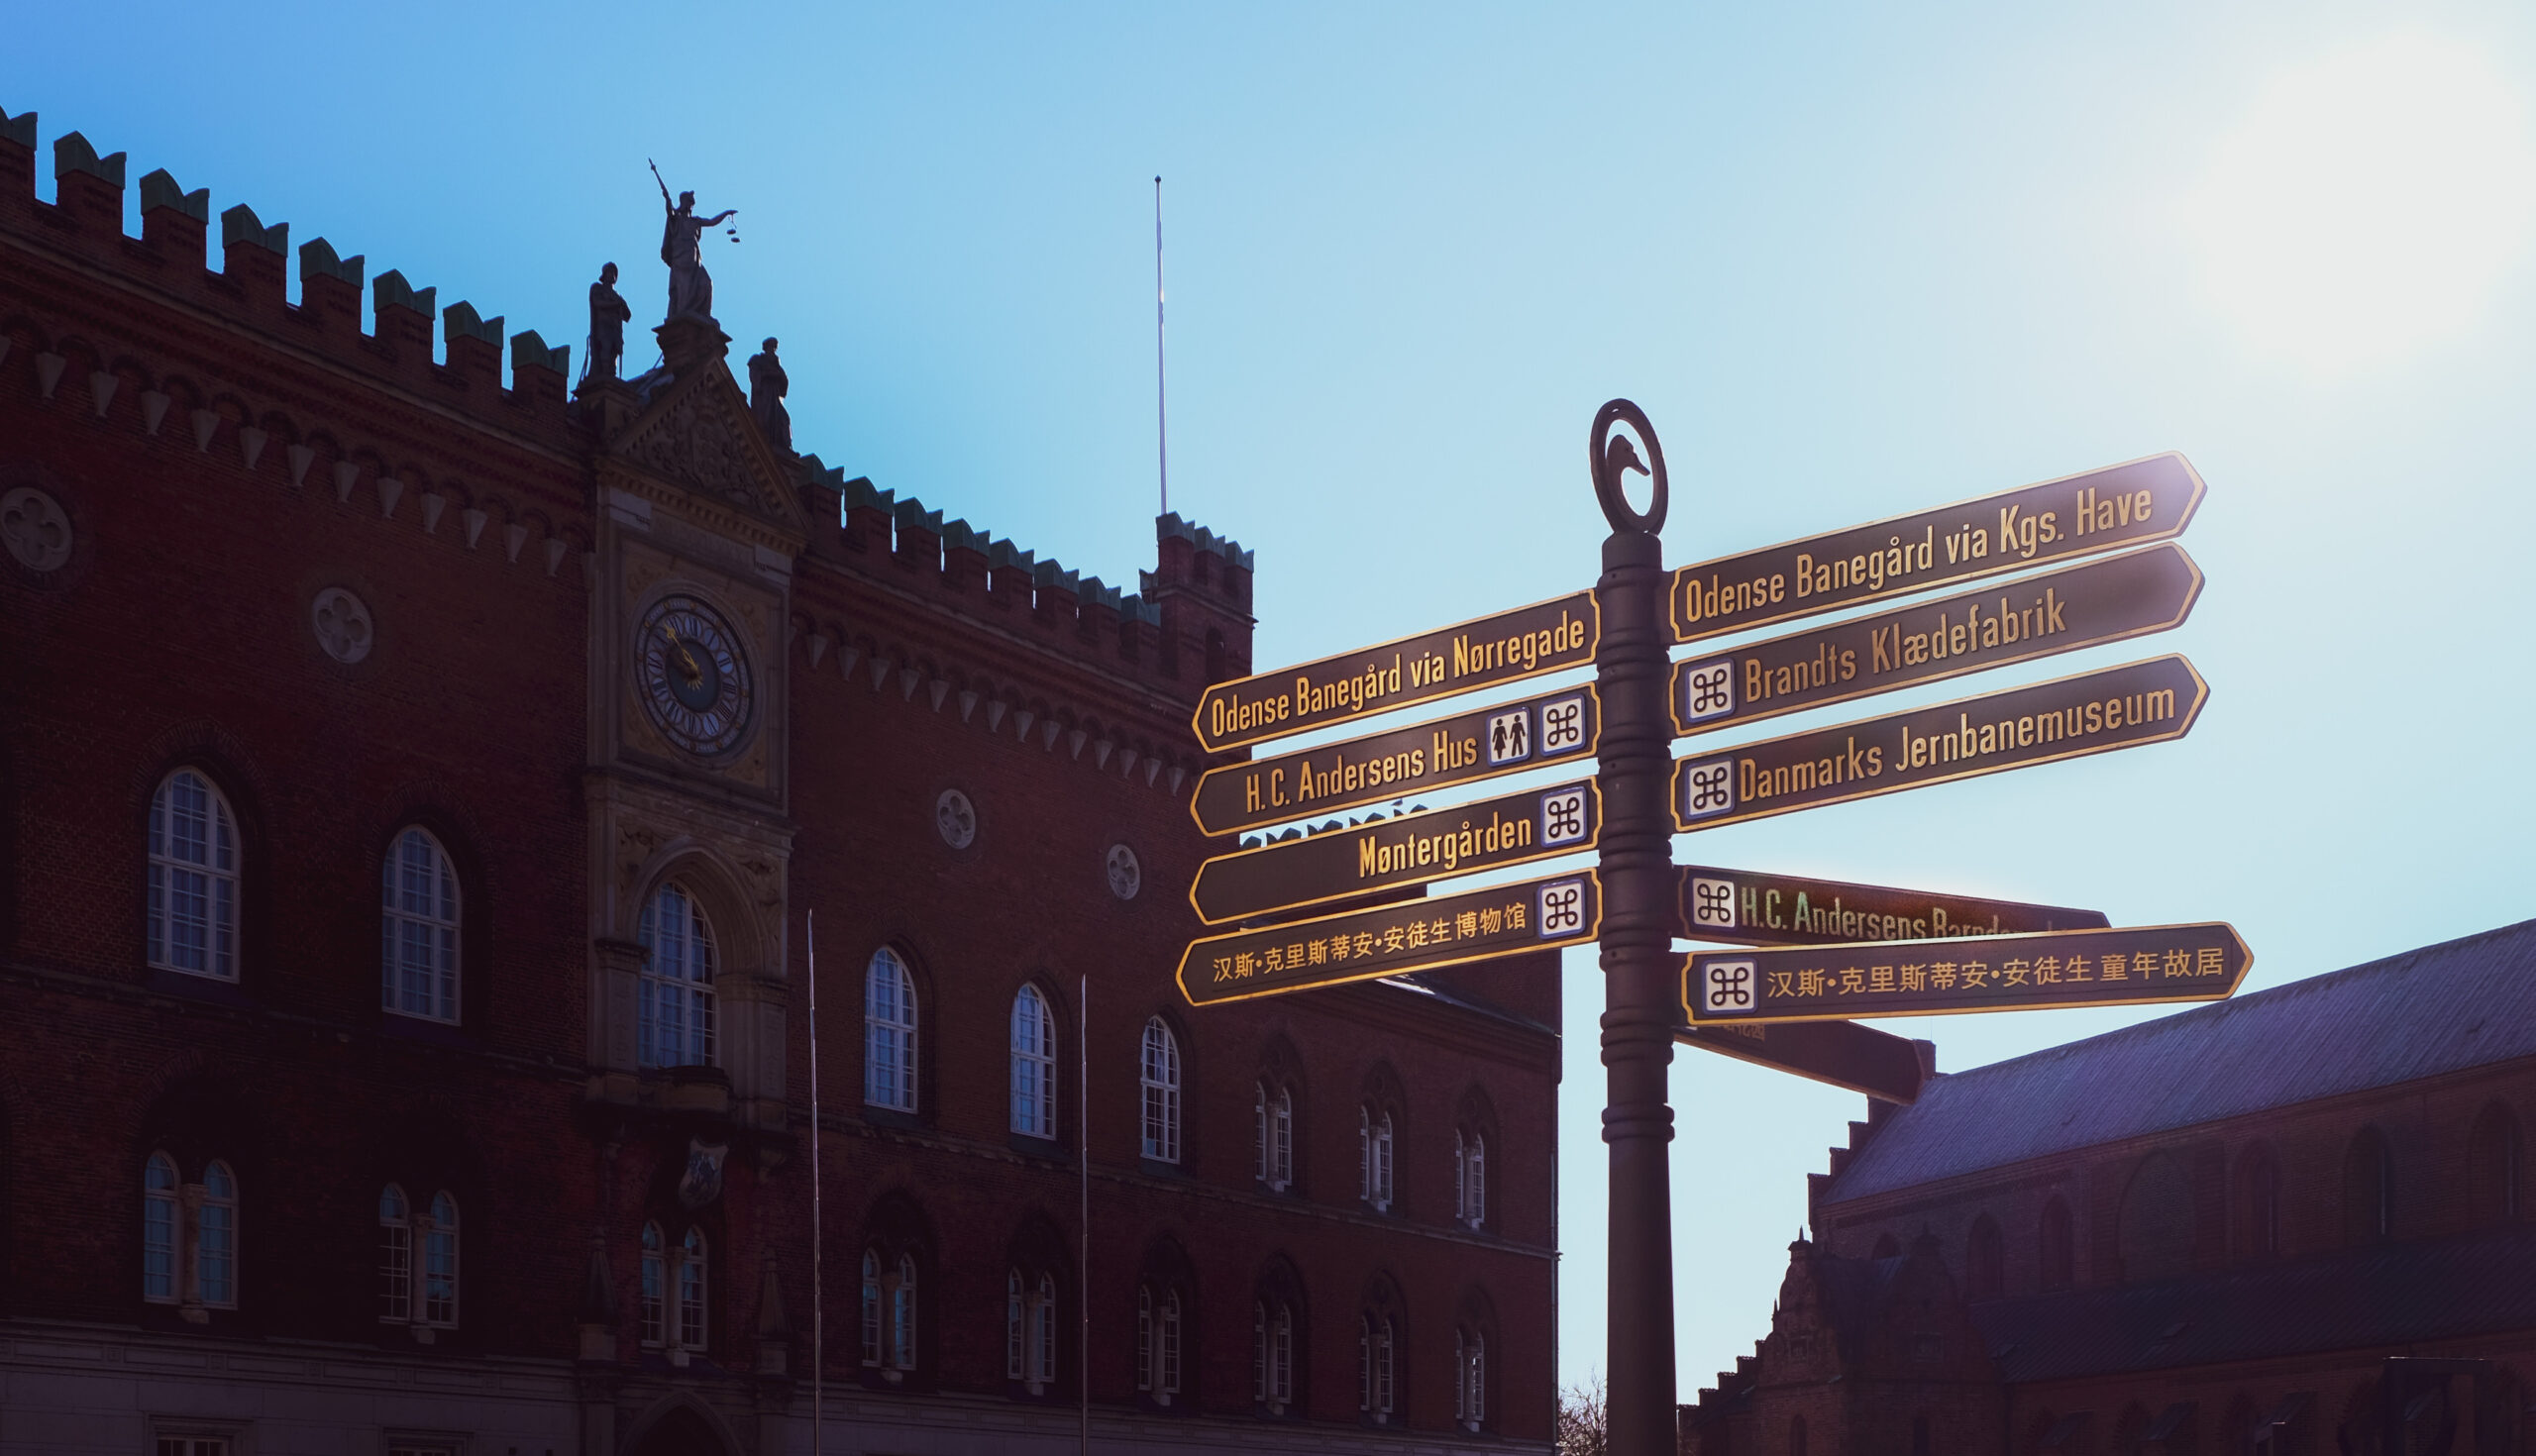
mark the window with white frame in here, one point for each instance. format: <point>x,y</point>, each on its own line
<point>1273,1136</point>
<point>1034,1065</point>
<point>1376,1390</point>
<point>1031,1330</point>
<point>158,1230</point>
<point>676,1014</point>
<point>193,879</point>
<point>1272,1355</point>
<point>1470,1177</point>
<point>655,1286</point>
<point>418,929</point>
<point>1159,1073</point>
<point>216,1238</point>
<point>692,1268</point>
<point>396,1256</point>
<point>674,1287</point>
<point>1374,1158</point>
<point>889,1033</point>
<point>1470,1377</point>
<point>1158,1342</point>
<point>888,1314</point>
<point>425,1293</point>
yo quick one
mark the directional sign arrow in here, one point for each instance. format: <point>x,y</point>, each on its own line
<point>2130,504</point>
<point>1502,648</point>
<point>1747,907</point>
<point>2121,967</point>
<point>1409,849</point>
<point>1418,935</point>
<point>1843,1053</point>
<point>2061,611</point>
<point>2070,717</point>
<point>1484,743</point>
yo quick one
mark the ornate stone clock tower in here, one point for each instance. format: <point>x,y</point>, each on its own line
<point>699,527</point>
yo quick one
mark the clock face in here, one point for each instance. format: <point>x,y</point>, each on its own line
<point>695,683</point>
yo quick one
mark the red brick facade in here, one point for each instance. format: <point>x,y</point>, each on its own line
<point>223,459</point>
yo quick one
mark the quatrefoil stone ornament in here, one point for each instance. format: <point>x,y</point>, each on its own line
<point>956,818</point>
<point>1127,877</point>
<point>35,528</point>
<point>343,625</point>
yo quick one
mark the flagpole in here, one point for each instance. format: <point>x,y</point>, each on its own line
<point>818,1328</point>
<point>1161,406</point>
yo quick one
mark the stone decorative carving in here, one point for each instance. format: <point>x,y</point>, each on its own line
<point>343,625</point>
<point>35,528</point>
<point>701,447</point>
<point>956,820</point>
<point>701,1183</point>
<point>1127,877</point>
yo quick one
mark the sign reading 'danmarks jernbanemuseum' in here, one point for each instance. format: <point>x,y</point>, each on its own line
<point>2085,606</point>
<point>1843,1053</point>
<point>1407,850</point>
<point>1505,648</point>
<point>2070,717</point>
<point>1558,727</point>
<point>1751,908</point>
<point>1415,935</point>
<point>2144,500</point>
<point>2009,972</point>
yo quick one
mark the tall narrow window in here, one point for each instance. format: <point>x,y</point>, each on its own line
<point>872,1307</point>
<point>439,1262</point>
<point>1461,1385</point>
<point>1470,1177</point>
<point>1281,1358</point>
<point>889,1033</point>
<point>193,879</point>
<point>2368,1188</point>
<point>216,1238</point>
<point>1145,1338</point>
<point>1167,1383</point>
<point>395,1255</point>
<point>158,1230</point>
<point>677,1012</point>
<point>655,1280</point>
<point>1043,1331</point>
<point>1159,1071</point>
<point>1034,1065</point>
<point>1259,1130</point>
<point>1273,1136</point>
<point>418,929</point>
<point>1475,1379</point>
<point>1374,1158</point>
<point>692,1268</point>
<point>1017,1339</point>
<point>1374,1376</point>
<point>1259,1351</point>
<point>902,1315</point>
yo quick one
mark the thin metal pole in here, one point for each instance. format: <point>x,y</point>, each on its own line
<point>818,1289</point>
<point>1161,406</point>
<point>1639,969</point>
<point>1083,1151</point>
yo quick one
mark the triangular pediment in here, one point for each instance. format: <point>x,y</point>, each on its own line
<point>696,432</point>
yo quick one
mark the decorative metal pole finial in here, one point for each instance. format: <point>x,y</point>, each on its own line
<point>1611,456</point>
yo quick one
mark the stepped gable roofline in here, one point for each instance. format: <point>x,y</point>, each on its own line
<point>2370,1298</point>
<point>2421,1013</point>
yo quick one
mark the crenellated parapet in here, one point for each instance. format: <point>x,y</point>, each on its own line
<point>86,220</point>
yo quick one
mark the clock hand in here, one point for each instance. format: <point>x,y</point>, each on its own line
<point>687,664</point>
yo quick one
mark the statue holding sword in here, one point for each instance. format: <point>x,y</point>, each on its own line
<point>681,248</point>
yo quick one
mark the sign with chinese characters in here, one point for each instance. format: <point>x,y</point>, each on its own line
<point>2085,606</point>
<point>2130,504</point>
<point>1407,850</point>
<point>1508,646</point>
<point>1416,935</point>
<point>1843,1053</point>
<point>2009,972</point>
<point>1746,907</point>
<point>2070,717</point>
<point>1484,743</point>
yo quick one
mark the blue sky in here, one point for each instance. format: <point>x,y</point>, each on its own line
<point>1853,260</point>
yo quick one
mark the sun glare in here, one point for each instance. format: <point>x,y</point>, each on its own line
<point>2366,204</point>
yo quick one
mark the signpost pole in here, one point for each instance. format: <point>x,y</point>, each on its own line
<point>1641,974</point>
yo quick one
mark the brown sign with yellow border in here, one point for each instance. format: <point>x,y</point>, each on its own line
<point>1405,851</point>
<point>1506,646</point>
<point>2096,712</point>
<point>1417,935</point>
<point>1747,907</point>
<point>2122,966</point>
<point>2130,504</point>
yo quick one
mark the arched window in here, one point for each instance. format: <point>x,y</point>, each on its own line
<point>2262,1205</point>
<point>439,1262</point>
<point>1470,1377</point>
<point>193,879</point>
<point>692,1269</point>
<point>2369,1189</point>
<point>2494,1174</point>
<point>216,1238</point>
<point>2058,1247</point>
<point>1272,1136</point>
<point>1167,1380</point>
<point>1374,1158</point>
<point>418,929</point>
<point>655,1286</point>
<point>1985,1275</point>
<point>1031,1330</point>
<point>871,1307</point>
<point>158,1230</point>
<point>1272,1355</point>
<point>889,1033</point>
<point>1158,1328</point>
<point>902,1315</point>
<point>888,1314</point>
<point>1034,1065</point>
<point>676,1014</point>
<point>1159,1073</point>
<point>1376,1387</point>
<point>1470,1177</point>
<point>396,1256</point>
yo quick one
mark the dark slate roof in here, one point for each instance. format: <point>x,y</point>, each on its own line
<point>2389,1294</point>
<point>2444,1007</point>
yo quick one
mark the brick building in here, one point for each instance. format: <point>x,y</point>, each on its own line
<point>2206,1233</point>
<point>419,793</point>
